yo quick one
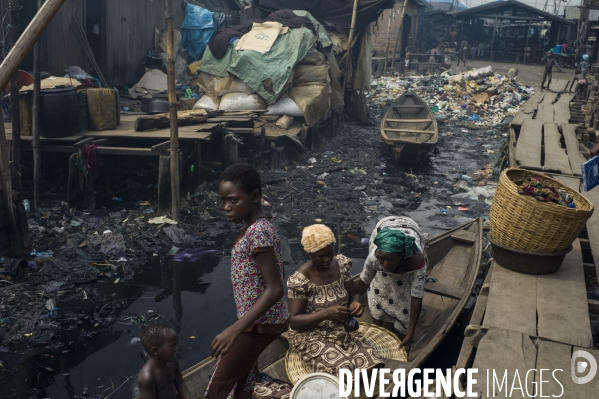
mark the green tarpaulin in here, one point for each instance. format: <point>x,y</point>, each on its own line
<point>267,73</point>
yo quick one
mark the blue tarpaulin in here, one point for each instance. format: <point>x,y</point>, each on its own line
<point>196,30</point>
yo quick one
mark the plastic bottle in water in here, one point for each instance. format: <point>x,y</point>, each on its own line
<point>467,178</point>
<point>27,206</point>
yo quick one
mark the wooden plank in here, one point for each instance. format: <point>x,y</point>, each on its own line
<point>409,131</point>
<point>445,290</point>
<point>185,133</point>
<point>593,227</point>
<point>556,157</point>
<point>499,351</point>
<point>532,103</point>
<point>529,143</point>
<point>469,237</point>
<point>562,307</point>
<point>467,350</point>
<point>408,120</point>
<point>572,146</point>
<point>554,356</point>
<point>408,106</point>
<point>125,151</point>
<point>546,110</point>
<point>562,108</point>
<point>158,148</point>
<point>559,85</point>
<point>512,303</point>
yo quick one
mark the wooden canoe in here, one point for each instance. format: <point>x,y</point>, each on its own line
<point>453,265</point>
<point>409,128</point>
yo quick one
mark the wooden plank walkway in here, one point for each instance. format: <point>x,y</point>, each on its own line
<point>556,157</point>
<point>528,151</point>
<point>536,322</point>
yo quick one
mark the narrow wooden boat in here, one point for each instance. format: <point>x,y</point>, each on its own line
<point>453,265</point>
<point>409,128</point>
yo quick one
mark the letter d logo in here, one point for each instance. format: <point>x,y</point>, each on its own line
<point>580,366</point>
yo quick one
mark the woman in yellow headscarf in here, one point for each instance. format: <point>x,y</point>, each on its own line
<point>322,296</point>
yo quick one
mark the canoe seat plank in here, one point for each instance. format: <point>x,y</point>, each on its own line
<point>408,106</point>
<point>464,236</point>
<point>409,131</point>
<point>408,120</point>
<point>444,290</point>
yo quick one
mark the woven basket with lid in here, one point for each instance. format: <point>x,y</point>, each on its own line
<point>522,222</point>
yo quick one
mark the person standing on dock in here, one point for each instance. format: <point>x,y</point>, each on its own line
<point>257,275</point>
<point>550,62</point>
<point>394,275</point>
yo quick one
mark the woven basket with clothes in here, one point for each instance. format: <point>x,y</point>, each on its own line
<point>524,223</point>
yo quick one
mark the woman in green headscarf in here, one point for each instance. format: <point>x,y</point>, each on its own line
<point>394,275</point>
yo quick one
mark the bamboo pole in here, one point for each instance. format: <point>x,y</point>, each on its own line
<point>25,43</point>
<point>399,33</point>
<point>172,100</point>
<point>349,44</point>
<point>37,156</point>
<point>391,14</point>
<point>14,96</point>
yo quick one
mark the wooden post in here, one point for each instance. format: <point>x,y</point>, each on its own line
<point>349,44</point>
<point>388,43</point>
<point>526,46</point>
<point>493,38</point>
<point>230,155</point>
<point>172,100</point>
<point>164,184</point>
<point>399,33</point>
<point>37,155</point>
<point>14,97</point>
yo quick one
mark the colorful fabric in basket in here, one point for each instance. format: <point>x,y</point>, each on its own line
<point>543,192</point>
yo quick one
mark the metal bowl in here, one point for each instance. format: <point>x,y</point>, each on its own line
<point>158,106</point>
<point>527,262</point>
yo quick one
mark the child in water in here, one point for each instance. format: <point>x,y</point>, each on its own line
<point>257,275</point>
<point>161,376</point>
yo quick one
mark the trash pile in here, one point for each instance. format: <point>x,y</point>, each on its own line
<point>74,252</point>
<point>477,98</point>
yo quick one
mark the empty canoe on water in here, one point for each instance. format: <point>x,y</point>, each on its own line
<point>409,128</point>
<point>453,265</point>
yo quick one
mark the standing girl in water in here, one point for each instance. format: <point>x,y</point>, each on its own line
<point>257,275</point>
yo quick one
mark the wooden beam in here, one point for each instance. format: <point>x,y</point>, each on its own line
<point>32,33</point>
<point>14,8</point>
<point>158,148</point>
<point>35,110</point>
<point>162,121</point>
<point>172,100</point>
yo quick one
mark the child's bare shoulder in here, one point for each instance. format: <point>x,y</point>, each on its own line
<point>146,374</point>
